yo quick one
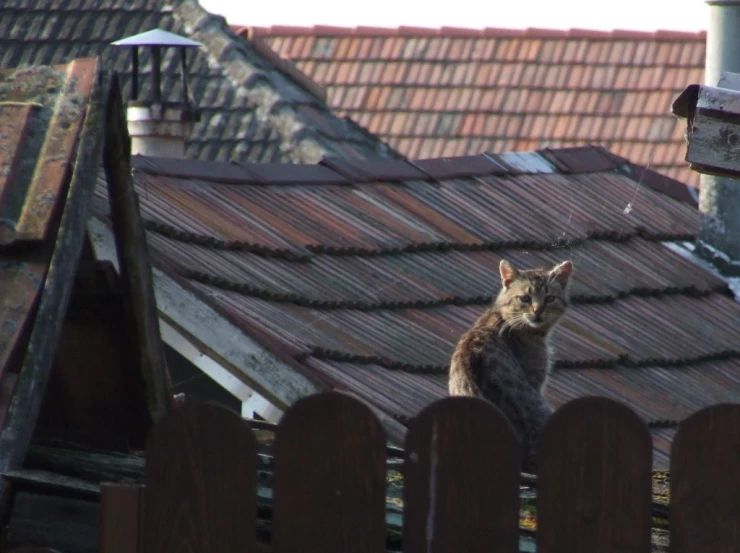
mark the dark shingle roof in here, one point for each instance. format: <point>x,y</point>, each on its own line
<point>367,273</point>
<point>251,110</point>
<point>447,92</point>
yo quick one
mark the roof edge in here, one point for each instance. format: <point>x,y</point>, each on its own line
<point>461,32</point>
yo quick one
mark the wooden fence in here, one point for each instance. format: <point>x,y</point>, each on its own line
<point>461,482</point>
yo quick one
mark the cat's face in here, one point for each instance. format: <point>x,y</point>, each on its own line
<point>533,299</point>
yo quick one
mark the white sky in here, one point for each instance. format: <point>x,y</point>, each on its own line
<point>641,15</point>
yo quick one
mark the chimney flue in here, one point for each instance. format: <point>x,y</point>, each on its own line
<point>157,127</point>
<point>719,197</point>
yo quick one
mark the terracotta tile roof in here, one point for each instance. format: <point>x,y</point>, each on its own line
<point>253,109</point>
<point>451,92</point>
<point>42,128</point>
<point>365,274</point>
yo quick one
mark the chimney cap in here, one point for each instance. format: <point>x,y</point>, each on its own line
<point>157,37</point>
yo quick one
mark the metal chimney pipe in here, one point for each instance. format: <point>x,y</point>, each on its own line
<point>719,198</point>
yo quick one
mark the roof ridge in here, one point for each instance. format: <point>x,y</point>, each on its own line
<point>463,32</point>
<point>568,160</point>
<point>287,108</point>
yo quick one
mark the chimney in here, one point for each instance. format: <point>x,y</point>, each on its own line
<point>719,197</point>
<point>158,127</point>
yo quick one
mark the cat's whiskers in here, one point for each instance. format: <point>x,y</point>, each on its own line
<point>516,321</point>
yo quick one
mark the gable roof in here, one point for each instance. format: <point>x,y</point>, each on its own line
<point>362,275</point>
<point>451,92</point>
<point>50,145</point>
<point>251,109</point>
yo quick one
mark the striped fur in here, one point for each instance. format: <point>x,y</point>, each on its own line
<point>505,356</point>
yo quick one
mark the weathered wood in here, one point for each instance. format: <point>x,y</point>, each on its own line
<point>120,515</point>
<point>85,463</point>
<point>31,384</point>
<point>69,525</point>
<point>329,478</point>
<point>705,482</point>
<point>217,337</point>
<point>201,479</point>
<point>133,257</point>
<point>713,126</point>
<point>84,404</point>
<point>53,483</point>
<point>594,486</point>
<point>461,489</point>
<point>33,550</point>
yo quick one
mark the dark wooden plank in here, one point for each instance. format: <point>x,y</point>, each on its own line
<point>53,483</point>
<point>133,258</point>
<point>200,483</point>
<point>461,486</point>
<point>88,464</point>
<point>705,482</point>
<point>594,488</point>
<point>70,525</point>
<point>32,549</point>
<point>329,478</point>
<point>120,512</point>
<point>33,378</point>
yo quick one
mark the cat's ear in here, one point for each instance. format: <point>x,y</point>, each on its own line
<point>561,273</point>
<point>509,273</point>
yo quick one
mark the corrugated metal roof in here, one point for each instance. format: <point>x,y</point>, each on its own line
<point>369,281</point>
<point>42,110</point>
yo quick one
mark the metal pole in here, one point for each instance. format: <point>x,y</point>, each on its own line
<point>135,76</point>
<point>156,75</point>
<point>719,198</point>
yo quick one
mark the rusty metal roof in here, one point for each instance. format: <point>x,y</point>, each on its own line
<point>447,92</point>
<point>42,116</point>
<point>367,273</point>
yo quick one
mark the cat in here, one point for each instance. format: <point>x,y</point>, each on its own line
<point>505,356</point>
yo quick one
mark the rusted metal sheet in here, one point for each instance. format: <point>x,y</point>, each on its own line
<point>15,118</point>
<point>41,114</point>
<point>20,283</point>
<point>60,96</point>
<point>44,210</point>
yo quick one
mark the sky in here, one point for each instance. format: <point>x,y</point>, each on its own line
<point>639,15</point>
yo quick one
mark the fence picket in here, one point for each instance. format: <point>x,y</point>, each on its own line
<point>594,487</point>
<point>461,480</point>
<point>201,471</point>
<point>120,518</point>
<point>329,478</point>
<point>705,482</point>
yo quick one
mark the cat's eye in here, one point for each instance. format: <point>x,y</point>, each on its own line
<point>549,299</point>
<point>525,299</point>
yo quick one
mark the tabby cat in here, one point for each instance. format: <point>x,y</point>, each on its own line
<point>505,356</point>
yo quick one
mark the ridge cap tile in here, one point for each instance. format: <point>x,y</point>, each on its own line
<point>366,170</point>
<point>463,166</point>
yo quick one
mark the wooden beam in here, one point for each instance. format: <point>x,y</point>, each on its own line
<point>213,334</point>
<point>133,257</point>
<point>232,384</point>
<point>23,411</point>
